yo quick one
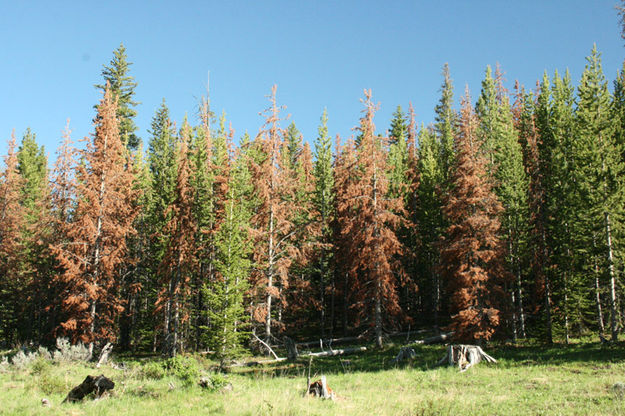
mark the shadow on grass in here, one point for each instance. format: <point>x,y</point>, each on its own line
<point>508,356</point>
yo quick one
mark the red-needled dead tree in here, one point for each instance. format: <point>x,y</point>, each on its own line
<point>272,226</point>
<point>95,247</point>
<point>369,230</point>
<point>471,251</point>
<point>178,264</point>
<point>11,246</point>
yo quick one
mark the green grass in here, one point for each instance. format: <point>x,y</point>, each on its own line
<point>527,380</point>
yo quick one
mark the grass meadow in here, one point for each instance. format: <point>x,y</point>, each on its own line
<point>578,379</point>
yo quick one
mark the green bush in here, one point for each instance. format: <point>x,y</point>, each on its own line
<point>153,370</point>
<point>186,369</point>
<point>40,366</point>
<point>51,384</point>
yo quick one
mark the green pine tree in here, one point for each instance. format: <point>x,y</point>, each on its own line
<point>323,202</point>
<point>122,85</point>
<point>502,147</point>
<point>233,248</point>
<point>599,171</point>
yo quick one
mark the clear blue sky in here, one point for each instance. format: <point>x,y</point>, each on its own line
<point>319,53</point>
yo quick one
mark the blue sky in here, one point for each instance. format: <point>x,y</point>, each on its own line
<point>319,53</point>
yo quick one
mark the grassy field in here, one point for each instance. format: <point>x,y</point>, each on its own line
<point>527,380</point>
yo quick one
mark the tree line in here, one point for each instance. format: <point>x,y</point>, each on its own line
<point>501,219</point>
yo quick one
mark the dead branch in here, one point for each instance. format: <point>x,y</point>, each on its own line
<point>267,346</point>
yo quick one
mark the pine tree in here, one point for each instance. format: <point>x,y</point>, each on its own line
<point>162,163</point>
<point>323,202</point>
<point>370,232</point>
<point>179,259</point>
<point>233,249</point>
<point>542,175</point>
<point>599,169</point>
<point>471,251</point>
<point>12,265</point>
<point>273,228</point>
<point>445,125</point>
<point>36,234</point>
<point>203,183</point>
<point>122,85</point>
<point>96,246</point>
<point>429,221</point>
<point>502,145</point>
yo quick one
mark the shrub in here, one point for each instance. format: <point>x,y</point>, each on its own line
<point>22,359</point>
<point>51,384</point>
<point>68,352</point>
<point>186,369</point>
<point>4,365</point>
<point>153,370</point>
<point>40,366</point>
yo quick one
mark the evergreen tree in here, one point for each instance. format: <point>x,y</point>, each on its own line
<point>599,170</point>
<point>429,221</point>
<point>471,251</point>
<point>273,228</point>
<point>445,124</point>
<point>179,259</point>
<point>12,267</point>
<point>233,248</point>
<point>501,145</point>
<point>323,202</point>
<point>96,246</point>
<point>122,85</point>
<point>36,234</point>
<point>370,232</point>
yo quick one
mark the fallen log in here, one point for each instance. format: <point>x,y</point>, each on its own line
<point>465,356</point>
<point>436,339</point>
<point>335,352</point>
<point>328,341</point>
<point>92,384</point>
<point>309,354</point>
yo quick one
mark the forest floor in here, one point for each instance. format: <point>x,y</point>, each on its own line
<point>578,379</point>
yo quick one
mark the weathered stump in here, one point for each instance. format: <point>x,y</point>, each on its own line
<point>104,355</point>
<point>291,348</point>
<point>92,384</point>
<point>321,389</point>
<point>465,356</point>
<point>405,353</point>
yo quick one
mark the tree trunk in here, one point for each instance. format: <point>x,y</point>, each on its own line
<point>547,296</point>
<point>269,279</point>
<point>598,296</point>
<point>613,312</point>
<point>520,300</point>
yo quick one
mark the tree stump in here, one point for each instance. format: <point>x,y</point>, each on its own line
<point>92,384</point>
<point>405,353</point>
<point>321,389</point>
<point>291,348</point>
<point>104,355</point>
<point>465,356</point>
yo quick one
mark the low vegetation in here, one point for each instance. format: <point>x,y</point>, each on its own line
<point>582,378</point>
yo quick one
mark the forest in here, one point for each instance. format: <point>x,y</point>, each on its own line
<point>501,220</point>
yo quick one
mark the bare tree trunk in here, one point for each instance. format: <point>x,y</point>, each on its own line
<point>598,296</point>
<point>566,313</point>
<point>378,316</point>
<point>520,300</point>
<point>269,279</point>
<point>613,326</point>
<point>547,296</point>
